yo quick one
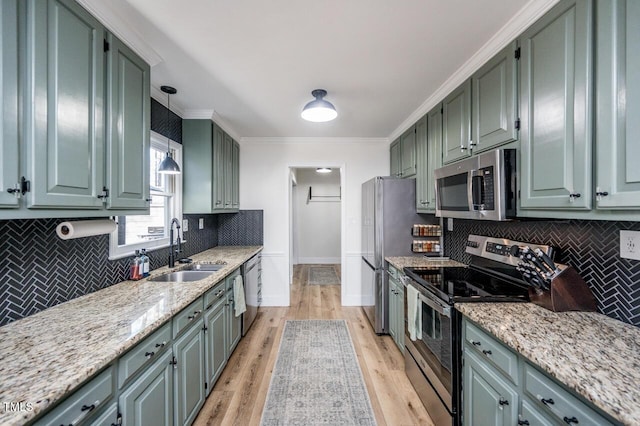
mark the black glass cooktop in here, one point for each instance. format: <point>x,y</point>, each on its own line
<point>469,284</point>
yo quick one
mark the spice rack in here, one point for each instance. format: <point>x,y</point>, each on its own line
<point>429,239</point>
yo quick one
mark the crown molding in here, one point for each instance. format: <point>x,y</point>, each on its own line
<point>198,114</point>
<point>116,24</point>
<point>529,14</point>
<point>311,140</point>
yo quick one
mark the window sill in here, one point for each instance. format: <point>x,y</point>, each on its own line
<point>132,252</point>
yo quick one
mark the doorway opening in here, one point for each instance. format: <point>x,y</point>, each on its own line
<point>315,237</point>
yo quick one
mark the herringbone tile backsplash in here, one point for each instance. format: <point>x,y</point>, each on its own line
<point>591,247</point>
<point>39,270</point>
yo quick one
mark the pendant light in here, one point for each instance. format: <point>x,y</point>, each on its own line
<point>319,110</point>
<point>168,166</point>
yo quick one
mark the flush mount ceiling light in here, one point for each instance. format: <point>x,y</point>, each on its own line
<point>319,110</point>
<point>323,170</point>
<point>168,166</point>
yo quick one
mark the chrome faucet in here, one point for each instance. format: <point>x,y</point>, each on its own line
<point>172,252</point>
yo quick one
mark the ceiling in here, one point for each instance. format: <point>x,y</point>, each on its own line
<point>255,62</point>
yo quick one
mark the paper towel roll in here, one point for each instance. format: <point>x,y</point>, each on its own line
<point>84,228</point>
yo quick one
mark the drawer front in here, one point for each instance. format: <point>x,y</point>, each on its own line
<point>213,295</point>
<point>108,418</point>
<point>492,350</point>
<point>187,316</point>
<point>557,402</point>
<point>143,353</point>
<point>532,415</point>
<point>83,403</point>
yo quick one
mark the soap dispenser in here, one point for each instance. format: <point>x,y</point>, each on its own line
<point>144,259</point>
<point>135,270</point>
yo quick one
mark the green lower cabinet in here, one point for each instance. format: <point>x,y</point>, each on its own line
<point>108,418</point>
<point>529,415</point>
<point>234,324</point>
<point>393,316</point>
<point>488,398</point>
<point>149,399</point>
<point>189,380</point>
<point>215,348</point>
<point>396,310</point>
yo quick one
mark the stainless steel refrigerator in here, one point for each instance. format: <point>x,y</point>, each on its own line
<point>388,214</point>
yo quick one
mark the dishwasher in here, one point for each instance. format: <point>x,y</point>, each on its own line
<point>252,277</point>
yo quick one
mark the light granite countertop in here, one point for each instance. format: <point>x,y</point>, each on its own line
<point>45,356</point>
<point>401,262</point>
<point>596,356</point>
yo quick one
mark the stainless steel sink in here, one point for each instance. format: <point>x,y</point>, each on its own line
<point>205,267</point>
<point>183,276</point>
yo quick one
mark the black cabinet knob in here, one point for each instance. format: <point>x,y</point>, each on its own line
<point>569,420</point>
<point>474,343</point>
<point>149,354</point>
<point>486,352</point>
<point>523,422</point>
<point>503,401</point>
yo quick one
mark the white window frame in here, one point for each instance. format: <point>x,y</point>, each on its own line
<point>118,252</point>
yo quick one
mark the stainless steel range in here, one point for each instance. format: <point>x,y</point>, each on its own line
<point>432,325</point>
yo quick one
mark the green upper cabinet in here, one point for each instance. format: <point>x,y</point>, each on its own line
<point>64,105</point>
<point>197,157</point>
<point>617,183</point>
<point>434,154</point>
<point>408,153</point>
<point>555,108</point>
<point>494,96</point>
<point>422,160</point>
<point>211,169</point>
<point>403,154</point>
<point>128,118</point>
<point>456,124</point>
<point>9,144</point>
<point>394,154</point>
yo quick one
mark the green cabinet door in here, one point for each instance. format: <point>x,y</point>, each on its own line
<point>128,124</point>
<point>456,124</point>
<point>189,391</point>
<point>148,401</point>
<point>234,325</point>
<point>197,160</point>
<point>228,172</point>
<point>9,144</point>
<point>218,175</point>
<point>408,153</point>
<point>618,105</point>
<point>393,317</point>
<point>215,349</point>
<point>494,96</point>
<point>235,182</point>
<point>434,143</point>
<point>555,108</point>
<point>400,316</point>
<point>487,398</point>
<point>394,165</point>
<point>64,105</point>
<point>422,166</point>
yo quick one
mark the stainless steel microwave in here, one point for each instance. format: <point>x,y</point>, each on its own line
<point>481,187</point>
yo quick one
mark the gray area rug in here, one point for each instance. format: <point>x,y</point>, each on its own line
<point>322,275</point>
<point>317,379</point>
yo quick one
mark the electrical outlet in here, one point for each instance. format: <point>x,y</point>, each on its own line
<point>449,224</point>
<point>201,223</point>
<point>185,225</point>
<point>630,245</point>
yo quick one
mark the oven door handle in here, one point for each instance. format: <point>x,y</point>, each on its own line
<point>442,310</point>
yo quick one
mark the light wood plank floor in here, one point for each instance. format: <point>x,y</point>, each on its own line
<point>239,395</point>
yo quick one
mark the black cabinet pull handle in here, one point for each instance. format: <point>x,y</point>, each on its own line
<point>486,352</point>
<point>576,195</point>
<point>601,194</point>
<point>149,354</point>
<point>503,401</point>
<point>92,406</point>
<point>547,401</point>
<point>523,422</point>
<point>474,343</point>
<point>570,420</point>
<point>161,345</point>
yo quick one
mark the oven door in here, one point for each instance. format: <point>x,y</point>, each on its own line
<point>433,348</point>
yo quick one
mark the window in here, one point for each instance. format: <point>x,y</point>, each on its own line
<point>152,231</point>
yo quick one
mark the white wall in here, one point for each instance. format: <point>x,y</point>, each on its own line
<point>264,184</point>
<point>317,228</point>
